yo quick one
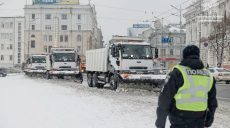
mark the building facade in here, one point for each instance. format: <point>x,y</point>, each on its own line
<point>60,24</point>
<point>170,42</point>
<point>200,17</point>
<point>11,41</point>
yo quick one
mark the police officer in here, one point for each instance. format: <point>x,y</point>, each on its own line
<point>189,95</point>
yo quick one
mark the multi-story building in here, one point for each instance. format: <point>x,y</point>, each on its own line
<point>200,16</point>
<point>11,41</point>
<point>170,42</point>
<point>60,23</point>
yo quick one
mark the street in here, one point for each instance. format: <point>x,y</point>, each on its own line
<point>39,103</point>
<point>223,91</point>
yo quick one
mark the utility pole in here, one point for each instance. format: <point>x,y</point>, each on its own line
<point>200,24</point>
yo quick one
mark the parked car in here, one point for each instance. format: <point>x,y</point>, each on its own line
<point>221,74</point>
<point>3,72</point>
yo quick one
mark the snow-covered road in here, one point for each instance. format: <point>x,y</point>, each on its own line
<point>38,103</point>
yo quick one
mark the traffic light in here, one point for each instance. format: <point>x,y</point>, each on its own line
<point>156,53</point>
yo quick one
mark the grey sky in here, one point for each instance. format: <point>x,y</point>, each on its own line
<point>114,16</point>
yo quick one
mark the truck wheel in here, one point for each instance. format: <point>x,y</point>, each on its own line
<point>89,80</point>
<point>114,82</point>
<point>48,75</point>
<point>227,82</point>
<point>95,80</point>
<point>79,77</point>
<point>61,77</point>
<point>100,86</point>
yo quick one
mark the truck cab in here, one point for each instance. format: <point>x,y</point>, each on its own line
<point>35,64</point>
<point>133,62</point>
<point>63,62</point>
<point>131,56</point>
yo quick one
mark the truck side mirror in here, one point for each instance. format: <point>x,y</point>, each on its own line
<point>115,52</point>
<point>156,53</point>
<point>118,63</point>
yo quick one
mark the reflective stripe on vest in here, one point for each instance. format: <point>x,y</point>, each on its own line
<point>193,95</point>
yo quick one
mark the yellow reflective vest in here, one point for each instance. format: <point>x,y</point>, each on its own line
<point>193,95</point>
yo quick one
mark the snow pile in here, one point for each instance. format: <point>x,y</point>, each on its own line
<point>37,103</point>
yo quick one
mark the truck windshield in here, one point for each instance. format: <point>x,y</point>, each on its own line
<point>38,59</point>
<point>64,57</point>
<point>136,52</point>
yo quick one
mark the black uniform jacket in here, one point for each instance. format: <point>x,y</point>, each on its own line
<point>166,103</point>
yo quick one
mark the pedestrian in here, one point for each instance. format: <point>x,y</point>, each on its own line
<point>188,97</point>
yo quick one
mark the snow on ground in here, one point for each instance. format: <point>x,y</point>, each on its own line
<point>38,103</point>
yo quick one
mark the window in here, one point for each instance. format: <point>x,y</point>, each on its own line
<point>64,16</point>
<point>61,38</point>
<point>48,16</point>
<point>171,52</point>
<point>79,16</point>
<point>2,25</point>
<point>2,46</point>
<point>11,24</point>
<point>11,46</point>
<point>33,16</point>
<point>45,49</point>
<point>163,52</point>
<point>48,27</point>
<point>45,38</point>
<point>2,57</point>
<point>79,38</point>
<point>66,38</point>
<point>11,57</point>
<point>33,27</point>
<point>64,27</point>
<point>33,36</point>
<point>50,38</point>
<point>32,43</point>
<point>79,27</point>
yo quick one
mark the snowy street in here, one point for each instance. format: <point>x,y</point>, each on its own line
<point>39,103</point>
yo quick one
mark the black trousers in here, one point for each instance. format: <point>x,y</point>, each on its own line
<point>182,122</point>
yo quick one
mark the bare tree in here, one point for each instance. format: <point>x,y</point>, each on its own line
<point>220,39</point>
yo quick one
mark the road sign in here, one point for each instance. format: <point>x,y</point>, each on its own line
<point>166,40</point>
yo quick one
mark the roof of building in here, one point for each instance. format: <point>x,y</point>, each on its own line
<point>13,17</point>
